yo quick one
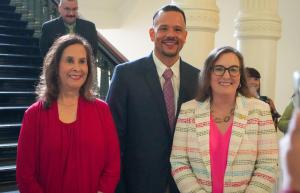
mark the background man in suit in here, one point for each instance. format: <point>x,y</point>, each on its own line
<point>144,107</point>
<point>67,23</point>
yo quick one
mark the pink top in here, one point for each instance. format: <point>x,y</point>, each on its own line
<point>218,150</point>
<point>80,157</point>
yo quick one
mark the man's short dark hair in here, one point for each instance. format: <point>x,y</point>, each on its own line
<point>167,8</point>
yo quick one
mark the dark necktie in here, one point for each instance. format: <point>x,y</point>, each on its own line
<point>169,96</point>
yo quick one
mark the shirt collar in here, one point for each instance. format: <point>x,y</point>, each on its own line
<point>161,67</point>
<point>70,26</point>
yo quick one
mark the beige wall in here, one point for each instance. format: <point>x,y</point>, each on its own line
<point>288,50</point>
<point>131,37</point>
<point>129,33</point>
<point>288,45</point>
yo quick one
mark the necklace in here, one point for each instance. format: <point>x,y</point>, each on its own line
<point>225,119</point>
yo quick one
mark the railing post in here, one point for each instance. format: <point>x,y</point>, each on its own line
<point>18,4</point>
<point>30,13</point>
<point>104,77</point>
<point>37,19</point>
<point>45,11</point>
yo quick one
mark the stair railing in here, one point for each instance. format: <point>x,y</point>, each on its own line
<point>36,12</point>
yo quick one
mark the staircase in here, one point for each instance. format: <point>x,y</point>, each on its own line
<point>20,66</point>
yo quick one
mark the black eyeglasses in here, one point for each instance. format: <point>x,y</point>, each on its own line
<point>220,70</point>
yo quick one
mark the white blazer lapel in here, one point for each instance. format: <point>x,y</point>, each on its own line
<point>202,121</point>
<point>238,129</point>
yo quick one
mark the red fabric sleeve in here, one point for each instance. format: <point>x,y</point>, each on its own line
<point>27,152</point>
<point>111,172</point>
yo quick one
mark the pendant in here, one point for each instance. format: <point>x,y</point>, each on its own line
<point>226,119</point>
<point>218,120</point>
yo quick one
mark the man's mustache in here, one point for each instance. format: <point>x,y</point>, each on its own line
<point>170,39</point>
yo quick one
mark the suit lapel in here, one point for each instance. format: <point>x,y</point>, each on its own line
<point>238,128</point>
<point>79,28</point>
<point>202,121</point>
<point>62,27</point>
<point>153,82</point>
<point>182,85</point>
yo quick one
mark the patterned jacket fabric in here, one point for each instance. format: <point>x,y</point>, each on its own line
<point>252,164</point>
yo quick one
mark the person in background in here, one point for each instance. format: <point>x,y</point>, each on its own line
<point>253,81</point>
<point>284,120</point>
<point>68,141</point>
<point>289,155</point>
<point>224,140</point>
<point>145,96</point>
<point>67,23</point>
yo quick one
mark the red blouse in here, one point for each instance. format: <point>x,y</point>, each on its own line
<point>80,157</point>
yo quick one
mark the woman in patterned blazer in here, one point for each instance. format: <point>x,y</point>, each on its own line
<point>225,141</point>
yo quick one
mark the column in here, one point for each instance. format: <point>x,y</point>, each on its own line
<point>257,29</point>
<point>202,23</point>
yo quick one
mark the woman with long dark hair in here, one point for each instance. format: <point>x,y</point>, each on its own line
<point>68,142</point>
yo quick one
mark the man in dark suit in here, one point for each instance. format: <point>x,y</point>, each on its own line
<point>140,105</point>
<point>67,23</point>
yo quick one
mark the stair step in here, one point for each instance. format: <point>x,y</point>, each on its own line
<point>9,15</point>
<point>7,175</point>
<point>17,98</point>
<point>19,71</point>
<point>9,133</point>
<point>6,7</point>
<point>19,31</point>
<point>13,23</point>
<point>17,84</point>
<point>8,145</point>
<point>21,40</point>
<point>8,153</point>
<point>4,2</point>
<point>14,59</point>
<point>16,31</point>
<point>19,49</point>
<point>20,67</point>
<point>20,64</point>
<point>12,114</point>
<point>9,189</point>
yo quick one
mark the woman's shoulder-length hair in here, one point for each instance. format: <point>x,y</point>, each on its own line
<point>47,89</point>
<point>204,91</point>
